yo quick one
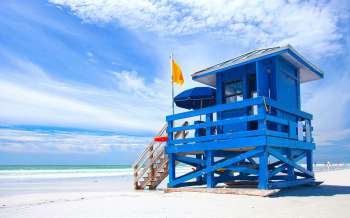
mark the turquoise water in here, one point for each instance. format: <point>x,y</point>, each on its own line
<point>39,172</point>
<point>61,167</point>
<point>62,171</point>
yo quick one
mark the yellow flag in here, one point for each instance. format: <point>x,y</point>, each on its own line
<point>177,73</point>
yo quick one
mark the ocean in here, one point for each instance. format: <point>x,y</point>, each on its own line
<point>34,172</point>
<point>22,172</point>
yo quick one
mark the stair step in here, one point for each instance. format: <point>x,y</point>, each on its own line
<point>151,168</point>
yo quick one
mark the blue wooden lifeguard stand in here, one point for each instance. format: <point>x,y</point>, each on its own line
<point>256,133</point>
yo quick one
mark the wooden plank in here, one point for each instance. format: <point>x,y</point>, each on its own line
<point>239,134</point>
<point>277,134</point>
<point>277,120</point>
<point>219,145</point>
<point>288,143</point>
<point>223,190</point>
<point>217,123</point>
<point>190,160</point>
<point>242,169</point>
<point>216,108</point>
<point>286,184</point>
<point>295,112</point>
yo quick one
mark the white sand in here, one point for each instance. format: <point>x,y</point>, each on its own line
<point>93,199</point>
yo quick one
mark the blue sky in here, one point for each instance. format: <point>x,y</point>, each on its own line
<point>87,82</point>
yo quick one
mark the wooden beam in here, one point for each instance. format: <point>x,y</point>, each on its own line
<point>285,184</point>
<point>277,155</point>
<point>216,108</point>
<point>216,166</point>
<point>190,160</point>
<point>219,145</point>
<point>236,191</point>
<point>263,171</point>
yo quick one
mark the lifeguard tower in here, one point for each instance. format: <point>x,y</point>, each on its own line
<point>254,133</point>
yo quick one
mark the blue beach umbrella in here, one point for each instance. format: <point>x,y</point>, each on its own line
<point>195,98</point>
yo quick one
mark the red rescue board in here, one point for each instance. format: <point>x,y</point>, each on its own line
<point>161,139</point>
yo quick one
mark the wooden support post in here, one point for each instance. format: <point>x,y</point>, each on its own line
<point>298,89</point>
<point>308,137</point>
<point>199,179</point>
<point>136,183</point>
<point>210,175</point>
<point>170,134</point>
<point>263,171</point>
<point>150,157</point>
<point>246,95</point>
<point>171,168</point>
<point>309,160</point>
<point>262,91</point>
<point>300,131</point>
<point>290,169</point>
<point>262,123</point>
<point>208,119</point>
<point>171,157</point>
<point>292,129</point>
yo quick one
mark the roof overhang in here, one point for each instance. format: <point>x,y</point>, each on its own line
<point>308,71</point>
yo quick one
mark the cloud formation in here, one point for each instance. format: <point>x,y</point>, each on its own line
<point>330,105</point>
<point>49,141</point>
<point>311,25</point>
<point>138,101</point>
<point>29,96</point>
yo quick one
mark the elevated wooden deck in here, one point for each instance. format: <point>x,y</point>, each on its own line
<point>268,151</point>
<point>267,155</point>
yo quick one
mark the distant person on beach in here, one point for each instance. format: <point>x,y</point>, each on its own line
<point>328,164</point>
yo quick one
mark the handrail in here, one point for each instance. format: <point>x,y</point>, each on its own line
<point>217,123</point>
<point>216,108</point>
<point>143,154</point>
<point>237,105</point>
<point>149,164</point>
<point>152,153</point>
<point>292,111</point>
<point>155,152</point>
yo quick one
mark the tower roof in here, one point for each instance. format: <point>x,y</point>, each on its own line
<point>308,71</point>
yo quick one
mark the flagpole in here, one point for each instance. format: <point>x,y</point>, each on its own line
<point>172,82</point>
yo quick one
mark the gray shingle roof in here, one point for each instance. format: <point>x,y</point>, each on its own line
<point>307,69</point>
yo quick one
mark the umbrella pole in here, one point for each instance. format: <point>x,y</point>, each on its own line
<point>172,95</point>
<point>172,82</point>
<point>200,116</point>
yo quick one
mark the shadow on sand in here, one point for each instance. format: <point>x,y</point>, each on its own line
<point>322,190</point>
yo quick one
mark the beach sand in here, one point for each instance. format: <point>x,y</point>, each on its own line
<point>111,197</point>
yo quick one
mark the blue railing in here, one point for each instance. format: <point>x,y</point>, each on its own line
<point>269,118</point>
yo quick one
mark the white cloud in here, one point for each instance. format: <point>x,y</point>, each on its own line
<point>222,29</point>
<point>67,141</point>
<point>311,25</point>
<point>34,98</point>
<point>330,106</point>
<point>130,81</point>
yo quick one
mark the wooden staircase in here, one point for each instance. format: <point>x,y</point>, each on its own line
<point>151,168</point>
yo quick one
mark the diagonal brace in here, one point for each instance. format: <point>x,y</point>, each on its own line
<point>284,165</point>
<point>216,166</point>
<point>190,160</point>
<point>279,156</point>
